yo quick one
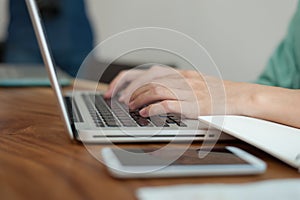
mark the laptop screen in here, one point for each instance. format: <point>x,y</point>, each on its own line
<point>48,60</point>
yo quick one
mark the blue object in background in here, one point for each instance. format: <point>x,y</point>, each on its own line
<point>68,31</point>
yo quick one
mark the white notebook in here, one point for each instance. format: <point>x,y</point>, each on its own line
<point>283,142</point>
<point>274,189</point>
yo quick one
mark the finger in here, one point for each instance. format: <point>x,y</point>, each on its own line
<point>120,80</point>
<point>148,94</point>
<point>136,87</point>
<point>154,73</point>
<point>184,108</point>
<point>158,87</point>
<point>163,107</point>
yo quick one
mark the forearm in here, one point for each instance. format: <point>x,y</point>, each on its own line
<point>270,103</point>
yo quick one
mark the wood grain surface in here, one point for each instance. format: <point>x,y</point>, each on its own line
<point>38,160</point>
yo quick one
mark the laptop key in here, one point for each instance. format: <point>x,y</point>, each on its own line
<point>111,122</point>
<point>99,124</point>
<point>170,121</point>
<point>158,121</point>
<point>128,122</point>
<point>143,122</point>
<point>181,124</point>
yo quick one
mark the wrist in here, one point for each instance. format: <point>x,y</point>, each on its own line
<point>254,100</point>
<point>242,98</point>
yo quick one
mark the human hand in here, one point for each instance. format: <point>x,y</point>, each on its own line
<point>188,93</point>
<point>166,90</point>
<point>127,81</point>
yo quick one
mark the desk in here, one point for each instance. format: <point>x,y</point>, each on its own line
<point>38,160</point>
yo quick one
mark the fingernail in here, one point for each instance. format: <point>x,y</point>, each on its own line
<point>143,112</point>
<point>131,105</point>
<point>106,94</point>
<point>121,98</point>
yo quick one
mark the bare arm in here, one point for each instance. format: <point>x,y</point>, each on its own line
<point>266,102</point>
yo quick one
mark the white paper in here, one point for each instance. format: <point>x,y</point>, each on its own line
<point>286,189</point>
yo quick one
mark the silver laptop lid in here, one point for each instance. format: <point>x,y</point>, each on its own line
<point>48,60</point>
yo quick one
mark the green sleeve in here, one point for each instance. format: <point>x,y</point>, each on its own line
<point>283,68</point>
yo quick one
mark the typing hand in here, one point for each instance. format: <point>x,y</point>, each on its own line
<point>166,90</point>
<point>127,81</point>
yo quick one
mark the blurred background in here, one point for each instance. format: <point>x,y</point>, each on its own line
<point>240,35</point>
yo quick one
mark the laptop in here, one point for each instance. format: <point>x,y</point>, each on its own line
<point>27,75</point>
<point>92,119</point>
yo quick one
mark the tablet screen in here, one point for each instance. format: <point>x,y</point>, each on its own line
<point>154,157</point>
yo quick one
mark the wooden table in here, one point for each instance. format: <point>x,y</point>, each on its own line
<point>38,160</point>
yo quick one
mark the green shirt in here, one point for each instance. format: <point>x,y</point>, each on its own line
<point>283,68</point>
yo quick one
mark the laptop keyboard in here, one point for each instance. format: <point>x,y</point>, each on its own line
<point>112,113</point>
